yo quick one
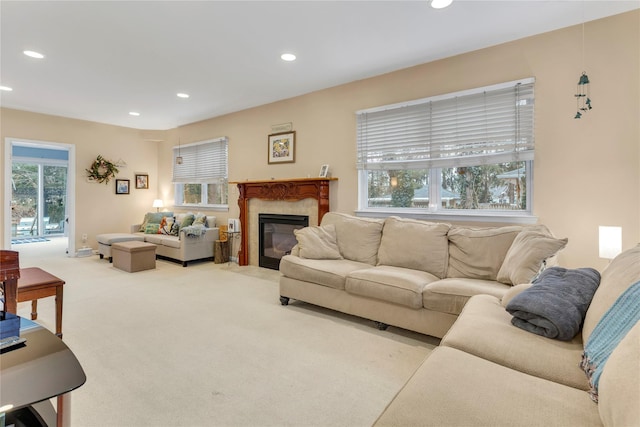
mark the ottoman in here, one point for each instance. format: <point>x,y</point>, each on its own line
<point>134,256</point>
<point>106,240</point>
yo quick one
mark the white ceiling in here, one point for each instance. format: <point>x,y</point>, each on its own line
<point>106,58</point>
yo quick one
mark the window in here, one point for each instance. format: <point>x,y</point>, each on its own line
<point>466,153</point>
<point>201,177</point>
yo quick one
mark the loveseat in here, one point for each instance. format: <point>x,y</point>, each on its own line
<point>487,372</point>
<point>183,237</point>
<point>412,274</point>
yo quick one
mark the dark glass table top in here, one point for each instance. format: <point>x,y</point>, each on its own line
<point>41,368</point>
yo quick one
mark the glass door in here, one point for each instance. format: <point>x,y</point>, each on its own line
<point>39,194</point>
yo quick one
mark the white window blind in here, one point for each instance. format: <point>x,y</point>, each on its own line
<point>202,162</point>
<point>481,126</point>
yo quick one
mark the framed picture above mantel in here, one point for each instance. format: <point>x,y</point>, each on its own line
<point>281,147</point>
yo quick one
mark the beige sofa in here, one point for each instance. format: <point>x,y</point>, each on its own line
<point>487,372</point>
<point>182,247</point>
<point>416,275</point>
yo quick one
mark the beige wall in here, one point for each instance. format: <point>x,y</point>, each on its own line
<point>587,172</point>
<point>98,208</point>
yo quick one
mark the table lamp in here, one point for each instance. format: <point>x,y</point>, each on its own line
<point>157,203</point>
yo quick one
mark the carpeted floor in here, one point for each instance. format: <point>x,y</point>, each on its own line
<point>210,345</point>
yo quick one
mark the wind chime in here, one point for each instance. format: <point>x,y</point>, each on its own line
<point>583,97</point>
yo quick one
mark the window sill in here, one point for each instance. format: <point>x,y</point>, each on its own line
<point>218,208</point>
<point>460,216</point>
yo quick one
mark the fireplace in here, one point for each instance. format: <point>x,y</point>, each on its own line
<point>276,237</point>
<point>285,196</point>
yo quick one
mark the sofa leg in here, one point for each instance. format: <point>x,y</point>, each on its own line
<point>184,263</point>
<point>110,259</point>
<point>381,326</point>
<point>284,300</point>
<point>101,256</point>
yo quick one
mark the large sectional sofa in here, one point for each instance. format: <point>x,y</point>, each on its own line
<point>413,274</point>
<point>486,371</point>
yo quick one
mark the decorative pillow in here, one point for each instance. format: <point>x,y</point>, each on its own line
<point>163,223</point>
<point>200,219</point>
<point>175,228</point>
<point>211,221</point>
<point>318,242</point>
<point>478,253</point>
<point>358,238</point>
<point>187,220</point>
<point>153,218</point>
<point>526,255</point>
<point>419,245</point>
<point>152,229</point>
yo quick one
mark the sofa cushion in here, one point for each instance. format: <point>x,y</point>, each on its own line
<point>318,242</point>
<point>331,273</point>
<point>358,238</point>
<point>153,218</point>
<point>524,259</point>
<point>619,392</point>
<point>478,253</point>
<point>484,329</point>
<point>621,273</point>
<point>451,295</point>
<point>397,285</point>
<point>454,388</point>
<point>419,245</point>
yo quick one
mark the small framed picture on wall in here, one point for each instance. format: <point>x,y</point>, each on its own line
<point>142,181</point>
<point>281,147</point>
<point>122,186</point>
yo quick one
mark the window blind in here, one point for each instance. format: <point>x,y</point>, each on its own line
<point>202,162</point>
<point>481,126</point>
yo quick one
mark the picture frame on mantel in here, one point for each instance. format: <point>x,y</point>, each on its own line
<point>281,147</point>
<point>324,171</point>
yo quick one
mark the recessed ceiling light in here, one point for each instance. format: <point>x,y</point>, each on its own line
<point>182,95</point>
<point>32,54</point>
<point>134,113</point>
<point>6,88</point>
<point>440,4</point>
<point>288,57</point>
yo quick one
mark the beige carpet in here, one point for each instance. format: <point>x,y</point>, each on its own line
<point>210,345</point>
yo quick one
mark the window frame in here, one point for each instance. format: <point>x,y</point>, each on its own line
<point>435,210</point>
<point>204,182</point>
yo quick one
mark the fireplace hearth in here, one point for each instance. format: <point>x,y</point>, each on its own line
<point>276,237</point>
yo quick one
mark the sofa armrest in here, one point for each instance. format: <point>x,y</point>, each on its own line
<point>210,235</point>
<point>135,228</point>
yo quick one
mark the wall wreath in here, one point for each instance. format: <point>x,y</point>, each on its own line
<point>102,170</point>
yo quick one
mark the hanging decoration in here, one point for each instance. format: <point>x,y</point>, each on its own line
<point>583,98</point>
<point>102,170</point>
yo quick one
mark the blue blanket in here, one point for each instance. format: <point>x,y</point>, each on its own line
<point>556,304</point>
<point>610,330</point>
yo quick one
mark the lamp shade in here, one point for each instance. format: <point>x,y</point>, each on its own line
<point>157,203</point>
<point>610,241</point>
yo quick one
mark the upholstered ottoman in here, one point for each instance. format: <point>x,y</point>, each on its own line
<point>134,256</point>
<point>106,240</point>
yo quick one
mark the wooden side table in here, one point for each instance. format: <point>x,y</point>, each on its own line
<point>35,283</point>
